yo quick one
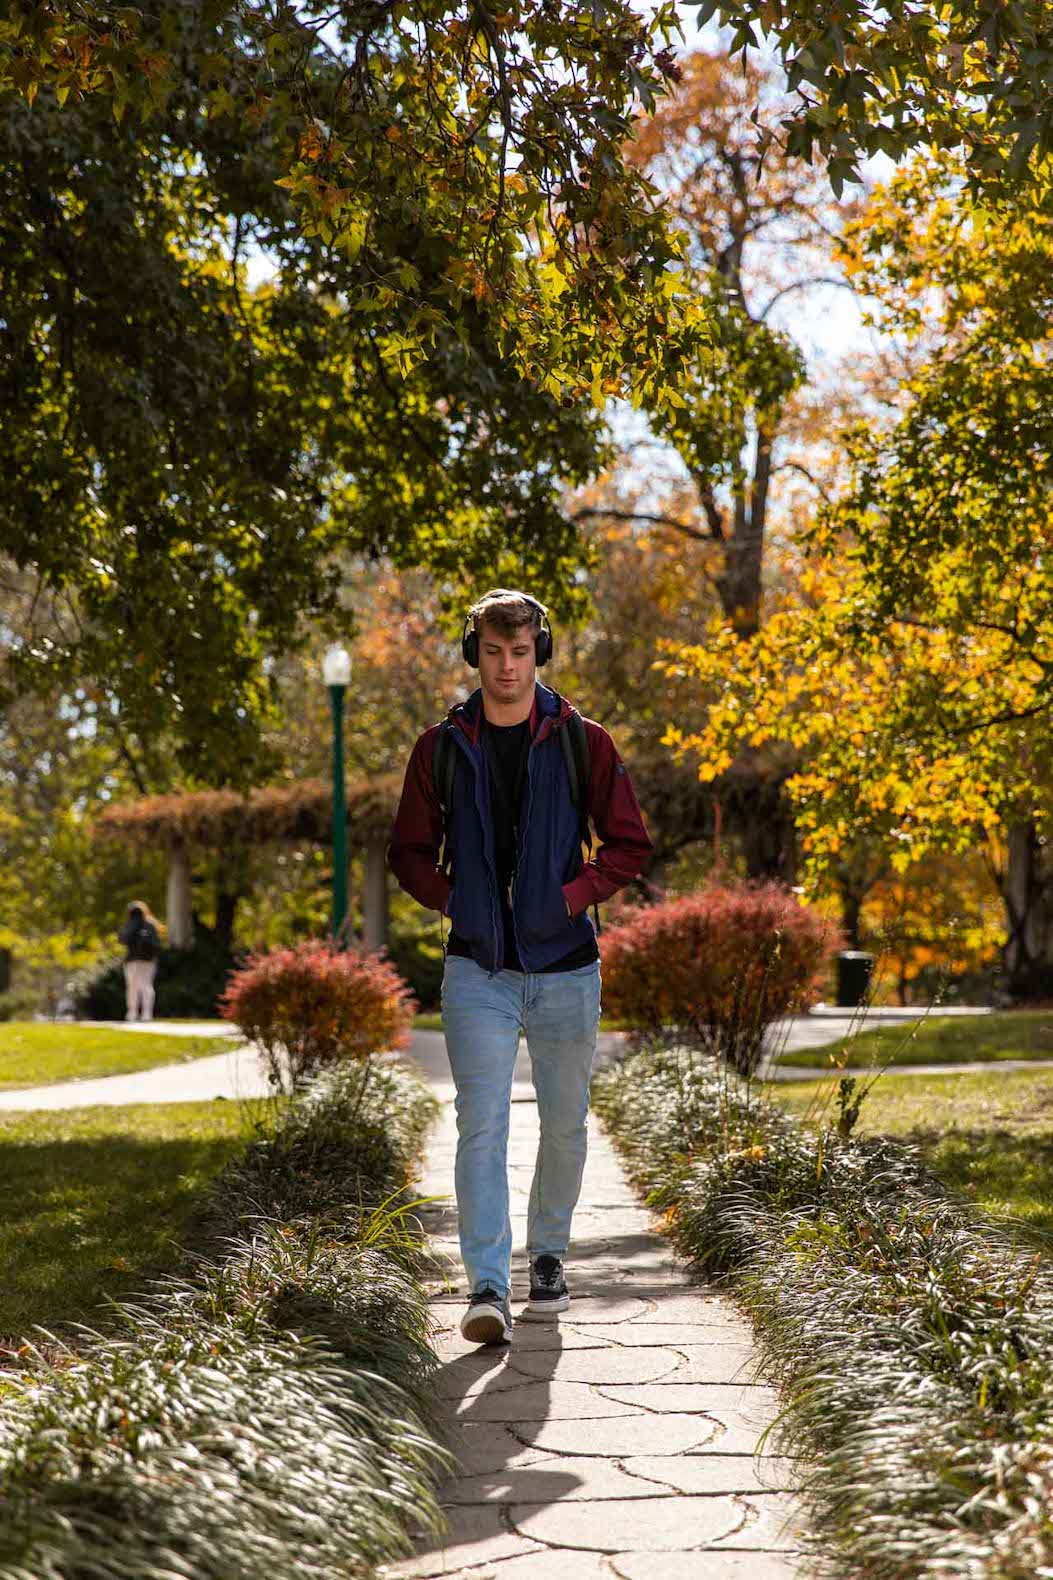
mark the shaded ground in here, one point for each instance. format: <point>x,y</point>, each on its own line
<point>98,1200</point>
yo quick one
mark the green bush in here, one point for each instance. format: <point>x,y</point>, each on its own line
<point>272,1412</point>
<point>343,1147</point>
<point>912,1338</point>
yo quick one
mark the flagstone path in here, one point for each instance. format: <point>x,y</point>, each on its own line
<point>619,1443</point>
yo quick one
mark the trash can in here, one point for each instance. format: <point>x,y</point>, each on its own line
<point>854,968</point>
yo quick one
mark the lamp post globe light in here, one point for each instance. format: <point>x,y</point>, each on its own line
<point>336,672</point>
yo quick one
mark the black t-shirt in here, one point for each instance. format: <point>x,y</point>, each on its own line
<point>506,747</point>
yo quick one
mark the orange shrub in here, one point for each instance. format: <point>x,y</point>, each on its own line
<point>713,969</point>
<point>313,1006</point>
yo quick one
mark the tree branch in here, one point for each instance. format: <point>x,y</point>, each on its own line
<point>590,511</point>
<point>802,285</point>
<point>797,466</point>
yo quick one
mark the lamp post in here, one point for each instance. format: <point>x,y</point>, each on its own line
<point>336,671</point>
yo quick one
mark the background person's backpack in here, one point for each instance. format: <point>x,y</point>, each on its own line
<point>576,755</point>
<point>143,943</point>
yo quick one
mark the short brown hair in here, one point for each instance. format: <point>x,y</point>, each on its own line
<point>507,611</point>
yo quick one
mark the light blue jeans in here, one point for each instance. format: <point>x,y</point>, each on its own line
<point>482,1017</point>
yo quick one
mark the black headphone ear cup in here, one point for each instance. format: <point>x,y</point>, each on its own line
<point>470,649</point>
<point>542,647</point>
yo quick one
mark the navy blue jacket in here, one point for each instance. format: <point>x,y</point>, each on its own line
<point>550,870</point>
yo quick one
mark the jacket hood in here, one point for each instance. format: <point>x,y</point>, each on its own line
<point>549,712</point>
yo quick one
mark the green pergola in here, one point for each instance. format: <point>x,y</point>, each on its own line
<point>299,812</point>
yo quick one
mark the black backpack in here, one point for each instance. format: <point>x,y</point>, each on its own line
<point>142,945</point>
<point>575,744</point>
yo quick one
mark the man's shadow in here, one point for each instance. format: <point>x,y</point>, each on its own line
<point>495,1399</point>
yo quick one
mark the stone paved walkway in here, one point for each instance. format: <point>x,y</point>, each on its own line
<point>624,1431</point>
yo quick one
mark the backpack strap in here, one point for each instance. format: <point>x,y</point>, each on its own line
<point>442,766</point>
<point>575,746</point>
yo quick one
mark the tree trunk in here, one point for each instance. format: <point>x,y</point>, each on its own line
<point>769,841</point>
<point>178,915</point>
<point>769,838</point>
<point>740,582</point>
<point>226,907</point>
<point>1025,893</point>
<point>851,913</point>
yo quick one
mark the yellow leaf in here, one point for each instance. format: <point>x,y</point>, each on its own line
<point>553,281</point>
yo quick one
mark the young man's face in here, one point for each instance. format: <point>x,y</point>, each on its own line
<point>506,664</point>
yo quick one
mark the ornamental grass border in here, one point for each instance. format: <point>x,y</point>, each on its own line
<point>271,1413</point>
<point>910,1336</point>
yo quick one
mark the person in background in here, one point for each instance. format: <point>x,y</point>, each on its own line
<point>141,937</point>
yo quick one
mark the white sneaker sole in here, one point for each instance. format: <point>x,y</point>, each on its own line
<point>485,1325</point>
<point>540,1309</point>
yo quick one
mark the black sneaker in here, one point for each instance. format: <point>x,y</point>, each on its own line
<point>548,1288</point>
<point>488,1319</point>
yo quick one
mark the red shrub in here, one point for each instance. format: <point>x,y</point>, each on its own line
<point>713,969</point>
<point>313,1006</point>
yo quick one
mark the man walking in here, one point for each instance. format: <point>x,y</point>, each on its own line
<point>522,952</point>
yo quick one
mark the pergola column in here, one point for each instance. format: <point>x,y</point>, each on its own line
<point>178,917</point>
<point>375,894</point>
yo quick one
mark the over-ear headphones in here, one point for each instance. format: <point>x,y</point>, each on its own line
<point>542,638</point>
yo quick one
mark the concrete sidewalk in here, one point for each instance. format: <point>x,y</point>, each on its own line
<point>233,1074</point>
<point>164,1028</point>
<point>628,1428</point>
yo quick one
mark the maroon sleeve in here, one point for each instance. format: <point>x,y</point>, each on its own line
<point>625,849</point>
<point>416,834</point>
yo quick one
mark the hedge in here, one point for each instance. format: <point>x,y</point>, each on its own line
<point>912,1338</point>
<point>272,1413</point>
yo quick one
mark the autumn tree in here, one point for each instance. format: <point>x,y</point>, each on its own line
<point>915,678</point>
<point>452,157</point>
<point>751,420</point>
<point>867,78</point>
<point>757,236</point>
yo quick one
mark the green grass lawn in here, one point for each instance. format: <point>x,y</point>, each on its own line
<point>988,1134</point>
<point>1008,1034</point>
<point>98,1200</point>
<point>36,1053</point>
